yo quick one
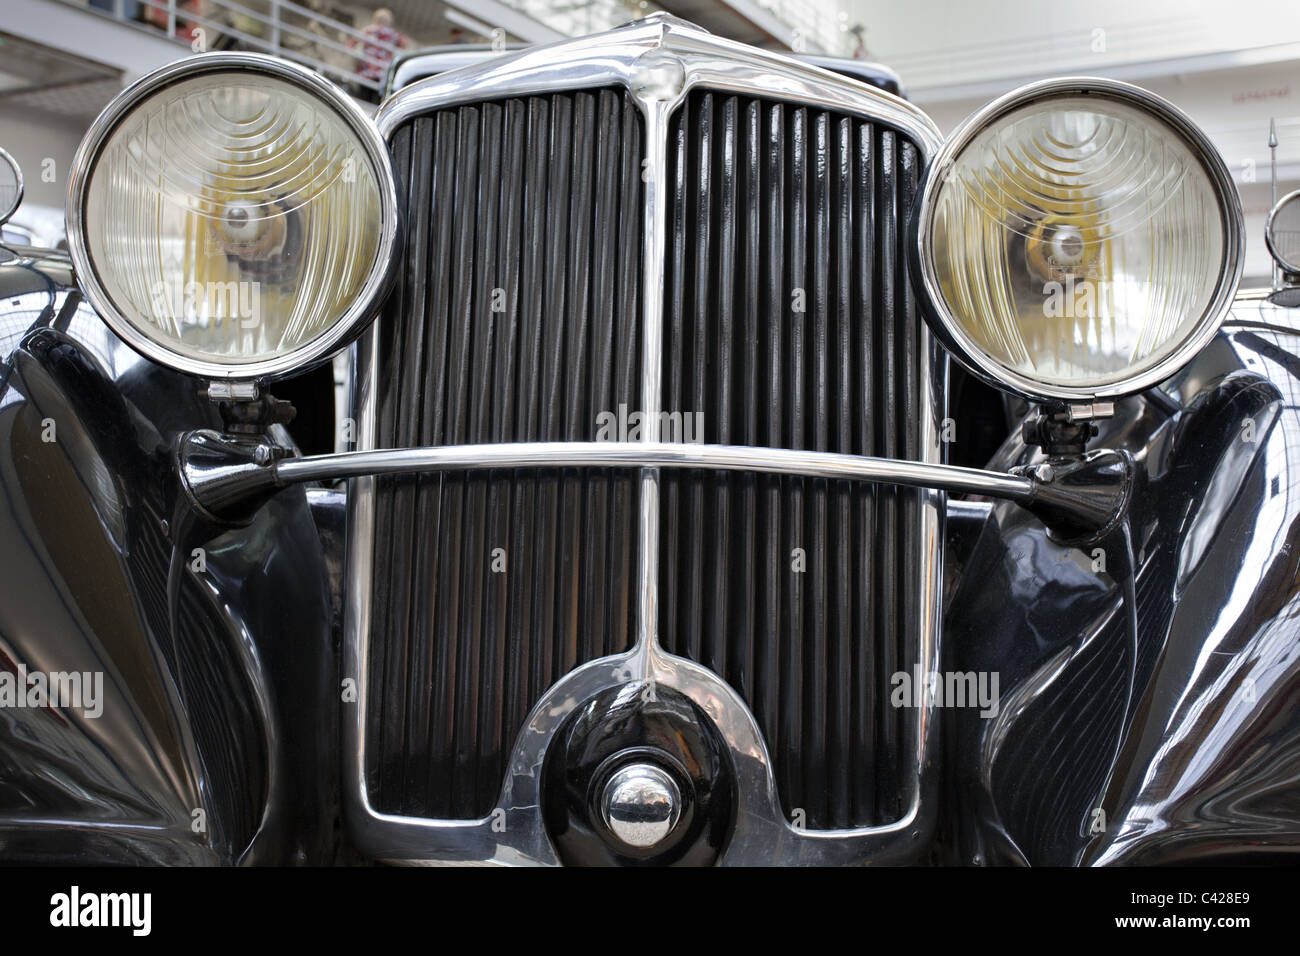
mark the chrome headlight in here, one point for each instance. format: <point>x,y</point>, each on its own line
<point>11,186</point>
<point>1078,239</point>
<point>233,216</point>
<point>1282,232</point>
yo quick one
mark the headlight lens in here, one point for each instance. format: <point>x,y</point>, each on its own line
<point>1078,243</point>
<point>236,221</point>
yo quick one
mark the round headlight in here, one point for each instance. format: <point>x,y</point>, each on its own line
<point>233,216</point>
<point>11,186</point>
<point>1282,232</point>
<point>1078,239</point>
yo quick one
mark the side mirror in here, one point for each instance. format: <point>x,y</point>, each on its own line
<point>11,186</point>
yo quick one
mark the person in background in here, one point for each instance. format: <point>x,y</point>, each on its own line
<point>860,47</point>
<point>378,39</point>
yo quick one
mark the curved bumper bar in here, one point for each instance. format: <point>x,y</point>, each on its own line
<point>228,477</point>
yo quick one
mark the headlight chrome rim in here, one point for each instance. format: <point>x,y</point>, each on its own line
<point>302,357</point>
<point>1292,267</point>
<point>960,344</point>
<point>19,185</point>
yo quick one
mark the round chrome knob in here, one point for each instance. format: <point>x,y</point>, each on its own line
<point>641,804</point>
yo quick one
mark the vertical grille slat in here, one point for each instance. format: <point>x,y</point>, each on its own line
<point>515,319</point>
<point>790,324</point>
<point>743,654</point>
<point>789,767</point>
<point>816,663</point>
<point>866,672</point>
<point>767,693</point>
<point>886,497</point>
<point>416,699</point>
<point>839,699</point>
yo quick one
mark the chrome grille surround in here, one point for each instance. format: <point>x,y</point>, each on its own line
<point>659,60</point>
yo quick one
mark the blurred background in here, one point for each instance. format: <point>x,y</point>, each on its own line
<point>1231,64</point>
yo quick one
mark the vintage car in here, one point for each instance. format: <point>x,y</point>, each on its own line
<point>732,471</point>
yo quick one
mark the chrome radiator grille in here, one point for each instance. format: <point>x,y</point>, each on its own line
<point>790,324</point>
<point>515,319</point>
<point>787,323</point>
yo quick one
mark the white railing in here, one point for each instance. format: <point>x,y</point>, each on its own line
<point>281,28</point>
<point>581,17</point>
<point>815,25</point>
<point>1081,50</point>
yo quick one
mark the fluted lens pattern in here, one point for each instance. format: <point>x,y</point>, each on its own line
<point>233,218</point>
<point>1078,242</point>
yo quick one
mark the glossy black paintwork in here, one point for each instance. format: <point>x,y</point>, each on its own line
<point>1157,691</point>
<point>218,686</point>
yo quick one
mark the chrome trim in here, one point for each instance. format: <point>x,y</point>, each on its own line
<point>609,59</point>
<point>363,307</point>
<point>7,214</point>
<point>659,83</point>
<point>514,832</point>
<point>641,804</point>
<point>992,371</point>
<point>652,456</point>
<point>228,477</point>
<point>1292,267</point>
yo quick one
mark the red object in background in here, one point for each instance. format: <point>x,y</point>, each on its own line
<point>375,58</point>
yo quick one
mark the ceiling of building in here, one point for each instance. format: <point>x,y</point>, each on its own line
<point>38,77</point>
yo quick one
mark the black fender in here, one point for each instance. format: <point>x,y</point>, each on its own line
<point>215,740</point>
<point>1147,679</point>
